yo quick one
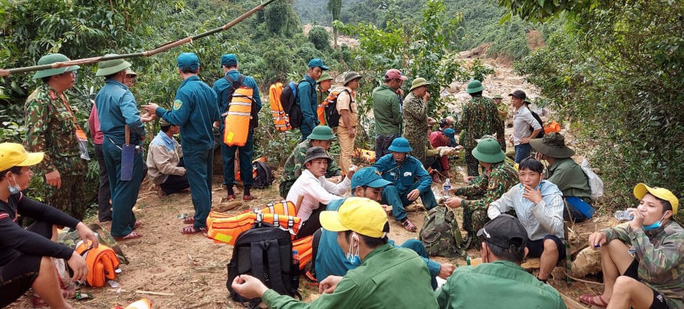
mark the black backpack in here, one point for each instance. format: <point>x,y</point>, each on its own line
<point>264,252</point>
<point>331,113</point>
<point>288,98</point>
<point>235,84</point>
<point>536,117</point>
<point>264,177</point>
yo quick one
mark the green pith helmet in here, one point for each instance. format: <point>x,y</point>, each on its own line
<point>419,82</point>
<point>109,67</point>
<point>474,86</point>
<point>488,150</point>
<point>50,59</point>
<point>321,133</point>
<point>325,76</point>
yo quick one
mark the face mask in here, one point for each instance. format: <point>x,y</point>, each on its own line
<point>13,189</point>
<point>655,225</point>
<point>353,259</point>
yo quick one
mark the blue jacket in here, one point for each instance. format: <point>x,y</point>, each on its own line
<point>331,260</point>
<point>222,85</point>
<point>195,111</point>
<point>405,174</point>
<point>308,103</point>
<point>116,108</point>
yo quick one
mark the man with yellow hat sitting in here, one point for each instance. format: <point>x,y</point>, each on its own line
<point>26,254</point>
<point>388,277</point>
<point>642,260</point>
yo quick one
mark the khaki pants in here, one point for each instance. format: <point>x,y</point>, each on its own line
<point>346,148</point>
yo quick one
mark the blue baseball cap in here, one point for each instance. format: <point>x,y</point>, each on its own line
<point>370,177</point>
<point>317,62</point>
<point>188,61</point>
<point>229,60</point>
<point>449,132</point>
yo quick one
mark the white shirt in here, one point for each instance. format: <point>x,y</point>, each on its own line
<point>315,191</point>
<point>522,121</point>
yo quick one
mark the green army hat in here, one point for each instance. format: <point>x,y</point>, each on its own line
<point>474,86</point>
<point>498,96</point>
<point>109,67</point>
<point>325,76</point>
<point>419,82</point>
<point>52,59</point>
<point>488,150</point>
<point>321,133</point>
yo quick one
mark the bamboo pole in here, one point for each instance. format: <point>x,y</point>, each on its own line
<point>162,48</point>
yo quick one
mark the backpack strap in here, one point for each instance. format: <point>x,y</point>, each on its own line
<point>274,269</point>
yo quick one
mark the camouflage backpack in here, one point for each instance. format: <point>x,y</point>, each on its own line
<point>440,233</point>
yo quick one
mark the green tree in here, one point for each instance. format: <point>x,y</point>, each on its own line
<point>335,8</point>
<point>320,38</point>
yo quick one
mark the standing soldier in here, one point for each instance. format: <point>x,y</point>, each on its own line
<point>479,117</point>
<point>306,96</point>
<point>195,111</point>
<point>117,109</point>
<point>416,119</point>
<point>349,119</point>
<point>501,106</point>
<point>322,92</point>
<point>224,88</point>
<point>387,111</point>
<point>52,128</point>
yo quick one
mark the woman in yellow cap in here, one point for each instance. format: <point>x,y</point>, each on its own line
<point>644,268</point>
<point>26,254</point>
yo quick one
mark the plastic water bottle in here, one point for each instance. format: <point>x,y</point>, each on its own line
<point>623,215</point>
<point>447,187</point>
<point>295,257</point>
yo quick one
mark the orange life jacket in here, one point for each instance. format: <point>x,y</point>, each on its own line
<point>552,127</point>
<point>280,118</point>
<point>226,228</point>
<point>304,247</point>
<point>141,304</point>
<point>102,263</point>
<point>238,116</point>
<point>365,155</point>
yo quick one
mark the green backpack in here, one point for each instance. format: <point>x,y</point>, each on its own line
<point>440,233</point>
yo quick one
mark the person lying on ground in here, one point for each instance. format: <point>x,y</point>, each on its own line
<point>642,260</point>
<point>499,176</point>
<point>503,241</point>
<point>387,277</point>
<point>321,136</point>
<point>26,254</point>
<point>315,190</point>
<point>538,204</point>
<point>565,173</point>
<point>330,259</point>
<point>409,181</point>
<point>165,161</point>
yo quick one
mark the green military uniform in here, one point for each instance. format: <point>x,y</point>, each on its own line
<point>660,253</point>
<point>482,191</point>
<point>415,117</point>
<point>51,128</point>
<point>479,117</point>
<point>295,163</point>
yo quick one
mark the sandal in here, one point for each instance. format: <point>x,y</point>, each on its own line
<point>189,220</point>
<point>590,299</point>
<point>248,197</point>
<point>137,225</point>
<point>230,197</point>
<point>132,235</point>
<point>409,226</point>
<point>189,230</point>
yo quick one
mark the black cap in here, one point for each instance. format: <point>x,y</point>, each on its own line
<point>504,231</point>
<point>518,94</point>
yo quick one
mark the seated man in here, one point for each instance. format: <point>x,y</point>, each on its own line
<point>315,190</point>
<point>498,177</point>
<point>503,242</point>
<point>565,173</point>
<point>164,161</point>
<point>442,139</point>
<point>409,181</point>
<point>643,260</point>
<point>320,136</point>
<point>26,254</point>
<point>330,259</point>
<point>538,204</point>
<point>387,277</point>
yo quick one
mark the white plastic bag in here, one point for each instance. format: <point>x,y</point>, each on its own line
<point>595,182</point>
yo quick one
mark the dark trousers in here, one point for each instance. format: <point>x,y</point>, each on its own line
<point>471,163</point>
<point>199,169</point>
<point>246,153</point>
<point>311,225</point>
<point>175,183</point>
<point>398,200</point>
<point>124,193</point>
<point>104,207</point>
<point>382,142</point>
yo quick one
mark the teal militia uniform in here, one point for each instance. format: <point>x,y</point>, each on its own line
<point>294,164</point>
<point>116,109</point>
<point>507,285</point>
<point>479,117</point>
<point>195,111</point>
<point>388,277</point>
<point>405,177</point>
<point>307,100</point>
<point>246,152</point>
<point>388,118</point>
<point>51,128</point>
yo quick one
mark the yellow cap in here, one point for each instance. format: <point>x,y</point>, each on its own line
<point>358,214</point>
<point>13,154</point>
<point>641,189</point>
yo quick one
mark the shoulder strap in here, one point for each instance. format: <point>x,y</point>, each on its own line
<point>234,84</point>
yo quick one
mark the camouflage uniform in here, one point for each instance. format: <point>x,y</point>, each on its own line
<point>482,191</point>
<point>51,128</point>
<point>295,163</point>
<point>660,255</point>
<point>415,117</point>
<point>480,116</point>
